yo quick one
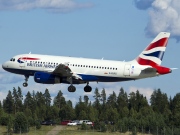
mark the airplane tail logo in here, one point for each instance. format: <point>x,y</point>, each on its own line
<point>154,52</point>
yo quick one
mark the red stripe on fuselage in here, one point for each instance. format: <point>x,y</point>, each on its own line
<point>160,43</point>
<point>29,58</point>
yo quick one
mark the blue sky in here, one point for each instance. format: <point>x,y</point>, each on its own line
<point>113,30</point>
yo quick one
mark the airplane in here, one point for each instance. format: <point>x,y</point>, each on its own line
<point>48,69</point>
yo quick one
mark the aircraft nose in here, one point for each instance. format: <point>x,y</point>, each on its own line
<point>4,65</point>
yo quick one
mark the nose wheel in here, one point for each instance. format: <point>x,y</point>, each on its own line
<point>25,84</point>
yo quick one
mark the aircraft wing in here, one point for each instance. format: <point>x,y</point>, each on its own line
<point>63,70</point>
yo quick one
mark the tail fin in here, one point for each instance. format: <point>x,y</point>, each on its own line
<point>154,52</point>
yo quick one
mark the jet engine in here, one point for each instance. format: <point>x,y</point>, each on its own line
<point>46,78</point>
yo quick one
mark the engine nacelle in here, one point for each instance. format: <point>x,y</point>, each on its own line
<point>46,78</point>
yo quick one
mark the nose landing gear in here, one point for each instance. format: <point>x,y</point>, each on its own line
<point>25,84</point>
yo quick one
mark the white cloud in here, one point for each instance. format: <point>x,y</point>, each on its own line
<point>164,15</point>
<point>1,69</point>
<point>50,5</point>
<point>3,95</point>
<point>7,78</point>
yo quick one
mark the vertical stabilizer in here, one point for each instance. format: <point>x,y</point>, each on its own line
<point>154,52</point>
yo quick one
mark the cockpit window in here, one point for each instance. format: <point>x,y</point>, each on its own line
<point>12,59</point>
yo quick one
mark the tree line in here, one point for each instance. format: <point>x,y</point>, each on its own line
<point>119,112</point>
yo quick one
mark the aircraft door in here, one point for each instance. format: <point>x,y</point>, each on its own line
<point>22,62</point>
<point>127,70</point>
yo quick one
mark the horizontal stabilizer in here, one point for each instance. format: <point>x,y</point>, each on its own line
<point>149,70</point>
<point>173,68</point>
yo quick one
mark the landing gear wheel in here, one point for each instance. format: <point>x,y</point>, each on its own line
<point>25,84</point>
<point>71,88</point>
<point>87,88</point>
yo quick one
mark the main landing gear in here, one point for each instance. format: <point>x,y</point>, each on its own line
<point>25,84</point>
<point>87,88</point>
<point>71,88</point>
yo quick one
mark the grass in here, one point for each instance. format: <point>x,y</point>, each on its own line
<point>73,130</point>
<point>67,130</point>
<point>33,130</point>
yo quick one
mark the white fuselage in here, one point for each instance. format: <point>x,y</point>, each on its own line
<point>104,70</point>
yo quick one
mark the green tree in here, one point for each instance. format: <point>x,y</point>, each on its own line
<point>15,99</point>
<point>86,99</point>
<point>40,99</point>
<point>19,100</point>
<point>20,123</point>
<point>59,100</point>
<point>103,97</point>
<point>28,101</point>
<point>112,100</point>
<point>67,112</point>
<point>159,101</point>
<point>122,99</point>
<point>176,110</point>
<point>97,98</point>
<point>8,103</point>
<point>47,97</point>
